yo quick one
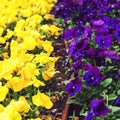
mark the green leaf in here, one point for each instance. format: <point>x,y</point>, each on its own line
<point>106,82</point>
<point>118,92</point>
<point>112,97</point>
<point>114,108</point>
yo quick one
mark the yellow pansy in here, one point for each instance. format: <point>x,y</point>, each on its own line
<point>29,43</point>
<point>21,105</point>
<point>17,84</point>
<point>10,114</point>
<point>42,100</point>
<point>49,71</point>
<point>26,12</point>
<point>55,30</point>
<point>1,108</point>
<point>1,30</point>
<point>34,119</point>
<point>49,17</point>
<point>37,82</point>
<point>2,40</point>
<point>9,34</point>
<point>3,92</point>
<point>47,46</point>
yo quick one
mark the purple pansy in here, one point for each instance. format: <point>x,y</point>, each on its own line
<point>78,49</point>
<point>117,33</point>
<point>73,32</point>
<point>117,101</point>
<point>74,86</point>
<point>104,41</point>
<point>93,75</point>
<point>98,109</point>
<point>98,23</point>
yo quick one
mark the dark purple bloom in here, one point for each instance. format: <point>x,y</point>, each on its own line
<point>118,74</point>
<point>113,55</point>
<point>74,86</point>
<point>98,23</point>
<point>78,49</point>
<point>73,32</point>
<point>87,33</point>
<point>98,109</point>
<point>93,75</point>
<point>117,33</point>
<point>104,41</point>
<point>117,101</point>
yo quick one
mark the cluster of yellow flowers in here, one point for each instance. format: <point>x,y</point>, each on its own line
<point>24,51</point>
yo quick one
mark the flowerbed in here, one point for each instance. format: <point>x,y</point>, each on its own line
<point>27,30</point>
<point>92,31</point>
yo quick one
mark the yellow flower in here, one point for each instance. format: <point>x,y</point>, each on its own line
<point>9,34</point>
<point>49,72</point>
<point>34,119</point>
<point>37,82</point>
<point>2,40</point>
<point>3,92</point>
<point>1,30</point>
<point>55,30</point>
<point>47,46</point>
<point>1,108</point>
<point>26,12</point>
<point>42,100</point>
<point>10,114</point>
<point>49,17</point>
<point>29,43</point>
<point>17,84</point>
<point>45,28</point>
<point>21,105</point>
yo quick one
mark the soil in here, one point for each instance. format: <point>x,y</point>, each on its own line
<point>57,86</point>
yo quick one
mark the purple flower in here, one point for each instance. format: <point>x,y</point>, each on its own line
<point>117,33</point>
<point>74,86</point>
<point>104,41</point>
<point>98,23</point>
<point>78,49</point>
<point>117,101</point>
<point>73,32</point>
<point>98,109</point>
<point>93,76</point>
<point>87,33</point>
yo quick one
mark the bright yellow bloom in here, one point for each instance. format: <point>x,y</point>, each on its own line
<point>17,84</point>
<point>10,114</point>
<point>49,71</point>
<point>29,43</point>
<point>55,30</point>
<point>47,46</point>
<point>49,17</point>
<point>13,110</point>
<point>42,100</point>
<point>3,92</point>
<point>37,82</point>
<point>2,40</point>
<point>21,105</point>
<point>34,119</point>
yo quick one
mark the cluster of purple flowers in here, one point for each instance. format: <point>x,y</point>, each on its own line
<point>94,33</point>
